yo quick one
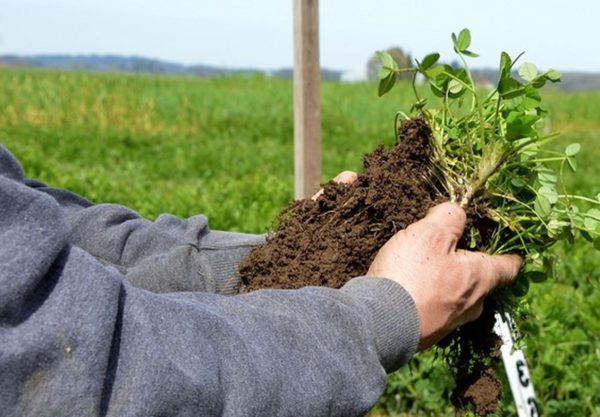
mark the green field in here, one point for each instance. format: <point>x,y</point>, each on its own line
<point>223,147</point>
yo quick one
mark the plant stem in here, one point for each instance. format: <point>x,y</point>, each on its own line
<point>579,197</point>
<point>482,176</point>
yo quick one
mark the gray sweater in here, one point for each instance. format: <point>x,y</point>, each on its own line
<point>105,313</point>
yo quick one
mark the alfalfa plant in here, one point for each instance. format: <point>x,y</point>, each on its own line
<point>490,156</point>
<point>489,151</point>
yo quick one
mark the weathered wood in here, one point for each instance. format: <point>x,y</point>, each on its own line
<point>307,103</point>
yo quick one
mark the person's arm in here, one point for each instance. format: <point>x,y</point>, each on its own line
<point>195,257</point>
<point>77,339</point>
<point>165,255</point>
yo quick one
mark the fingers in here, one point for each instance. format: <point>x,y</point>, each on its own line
<point>346,177</point>
<point>494,270</point>
<point>502,270</point>
<point>450,220</point>
<point>472,313</point>
<point>505,269</point>
<point>448,215</point>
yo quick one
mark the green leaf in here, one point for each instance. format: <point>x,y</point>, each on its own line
<point>439,84</point>
<point>547,175</point>
<point>553,76</point>
<point>517,92</point>
<point>576,219</point>
<point>520,286</point>
<point>533,93</point>
<point>513,116</point>
<point>572,164</point>
<point>386,84</point>
<point>505,66</point>
<point>532,98</point>
<point>434,72</point>
<point>537,276</point>
<point>590,223</point>
<point>436,89</point>
<point>518,125</point>
<point>459,73</point>
<point>542,206</point>
<point>557,227</point>
<point>383,73</point>
<point>429,61</point>
<point>513,103</point>
<point>510,88</point>
<point>573,149</point>
<point>549,263</point>
<point>464,40</point>
<point>387,60</point>
<point>528,71</point>
<point>587,236</point>
<point>454,87</point>
<point>550,193</point>
<point>597,243</point>
<point>529,151</point>
<point>592,219</point>
<point>515,182</point>
<point>538,82</point>
<point>470,54</point>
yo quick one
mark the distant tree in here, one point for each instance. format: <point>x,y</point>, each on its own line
<point>404,60</point>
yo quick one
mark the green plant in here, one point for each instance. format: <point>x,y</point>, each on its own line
<point>488,153</point>
<point>198,124</point>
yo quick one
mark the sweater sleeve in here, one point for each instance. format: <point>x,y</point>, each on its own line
<point>76,338</point>
<point>196,258</point>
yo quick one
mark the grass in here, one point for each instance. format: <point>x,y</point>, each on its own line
<point>223,147</point>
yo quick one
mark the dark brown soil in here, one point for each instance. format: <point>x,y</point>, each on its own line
<point>328,241</point>
<point>477,355</point>
<point>333,239</point>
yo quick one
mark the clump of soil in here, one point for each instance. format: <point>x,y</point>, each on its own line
<point>333,239</point>
<point>477,353</point>
<point>328,241</point>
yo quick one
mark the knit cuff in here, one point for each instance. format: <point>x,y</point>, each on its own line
<point>224,251</point>
<point>394,317</point>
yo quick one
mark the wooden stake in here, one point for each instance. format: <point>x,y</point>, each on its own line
<point>307,104</point>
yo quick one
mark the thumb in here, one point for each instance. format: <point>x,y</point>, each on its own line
<point>450,218</point>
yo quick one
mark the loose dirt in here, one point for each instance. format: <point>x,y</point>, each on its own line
<point>334,238</point>
<point>476,355</point>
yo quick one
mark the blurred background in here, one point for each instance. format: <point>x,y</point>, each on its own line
<point>235,36</point>
<point>186,107</point>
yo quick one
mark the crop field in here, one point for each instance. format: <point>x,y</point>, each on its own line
<point>223,147</point>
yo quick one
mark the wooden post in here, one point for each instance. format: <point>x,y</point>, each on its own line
<point>307,103</point>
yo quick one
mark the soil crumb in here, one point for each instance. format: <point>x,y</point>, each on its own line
<point>477,350</point>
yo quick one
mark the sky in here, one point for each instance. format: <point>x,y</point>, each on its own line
<point>258,33</point>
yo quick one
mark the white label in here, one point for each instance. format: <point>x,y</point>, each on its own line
<point>517,371</point>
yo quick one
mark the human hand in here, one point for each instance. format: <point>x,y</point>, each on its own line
<point>344,177</point>
<point>447,284</point>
